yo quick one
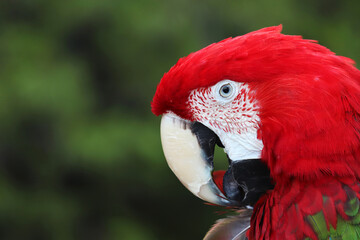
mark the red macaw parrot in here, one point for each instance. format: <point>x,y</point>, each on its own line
<point>287,112</point>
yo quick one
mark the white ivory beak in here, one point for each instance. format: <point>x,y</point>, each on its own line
<point>187,159</point>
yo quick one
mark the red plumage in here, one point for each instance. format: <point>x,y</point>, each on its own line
<point>309,121</point>
<point>284,213</point>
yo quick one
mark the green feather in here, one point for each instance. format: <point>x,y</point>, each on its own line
<point>352,207</point>
<point>345,230</point>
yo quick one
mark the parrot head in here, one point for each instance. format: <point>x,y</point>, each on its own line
<point>281,107</point>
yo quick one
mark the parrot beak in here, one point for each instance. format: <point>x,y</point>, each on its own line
<point>189,150</point>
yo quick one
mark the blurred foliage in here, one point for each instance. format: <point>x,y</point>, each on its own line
<point>80,150</point>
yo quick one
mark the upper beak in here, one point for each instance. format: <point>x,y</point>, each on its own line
<point>188,160</point>
<point>189,151</point>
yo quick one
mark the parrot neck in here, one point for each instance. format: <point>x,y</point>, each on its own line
<point>287,162</point>
<point>314,170</point>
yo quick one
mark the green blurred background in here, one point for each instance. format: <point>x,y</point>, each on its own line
<point>80,153</point>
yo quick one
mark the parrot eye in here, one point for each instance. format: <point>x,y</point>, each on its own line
<point>226,90</point>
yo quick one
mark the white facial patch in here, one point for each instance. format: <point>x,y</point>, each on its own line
<point>233,117</point>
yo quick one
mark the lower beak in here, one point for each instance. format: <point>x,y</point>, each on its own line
<point>189,151</point>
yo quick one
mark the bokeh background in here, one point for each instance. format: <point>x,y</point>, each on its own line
<point>80,153</point>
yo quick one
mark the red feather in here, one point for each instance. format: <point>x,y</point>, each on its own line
<point>289,216</point>
<point>330,213</point>
<point>218,177</point>
<point>309,102</point>
<point>309,98</point>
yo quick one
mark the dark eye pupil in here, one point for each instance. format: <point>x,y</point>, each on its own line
<point>226,89</point>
